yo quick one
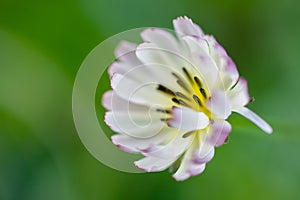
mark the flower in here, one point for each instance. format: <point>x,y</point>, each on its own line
<point>171,97</point>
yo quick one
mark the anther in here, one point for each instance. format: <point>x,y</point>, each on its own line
<point>197,80</point>
<point>187,74</point>
<point>165,89</point>
<point>175,100</point>
<point>197,100</point>
<point>203,93</point>
<point>188,134</point>
<point>162,110</point>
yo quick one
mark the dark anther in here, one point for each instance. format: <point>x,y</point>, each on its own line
<point>197,100</point>
<point>165,90</point>
<point>187,74</point>
<point>197,80</point>
<point>175,100</point>
<point>179,101</point>
<point>163,110</point>
<point>188,134</point>
<point>203,92</point>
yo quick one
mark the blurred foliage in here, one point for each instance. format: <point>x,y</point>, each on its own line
<point>42,44</point>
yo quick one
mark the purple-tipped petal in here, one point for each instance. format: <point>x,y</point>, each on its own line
<point>152,164</point>
<point>161,38</point>
<point>188,167</point>
<point>185,26</point>
<point>218,132</point>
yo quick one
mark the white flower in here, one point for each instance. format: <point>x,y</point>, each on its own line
<point>171,97</point>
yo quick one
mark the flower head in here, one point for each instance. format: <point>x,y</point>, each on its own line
<point>171,97</point>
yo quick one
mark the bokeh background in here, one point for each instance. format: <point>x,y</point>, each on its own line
<point>42,44</point>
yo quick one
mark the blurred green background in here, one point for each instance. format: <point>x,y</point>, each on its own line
<point>42,44</point>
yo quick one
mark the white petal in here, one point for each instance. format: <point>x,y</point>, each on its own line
<point>188,119</point>
<point>152,164</point>
<point>150,53</point>
<point>156,73</point>
<point>172,149</point>
<point>219,104</point>
<point>112,101</point>
<point>132,144</point>
<point>133,91</point>
<point>161,38</point>
<point>185,26</point>
<point>140,125</point>
<point>254,118</point>
<point>239,95</point>
<point>196,44</point>
<point>202,61</point>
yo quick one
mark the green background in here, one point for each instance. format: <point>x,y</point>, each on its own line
<point>42,44</point>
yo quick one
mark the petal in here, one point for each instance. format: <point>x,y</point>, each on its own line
<point>112,101</point>
<point>188,167</point>
<point>124,48</point>
<point>140,125</point>
<point>196,44</point>
<point>144,94</point>
<point>202,61</point>
<point>228,72</point>
<point>118,67</point>
<point>219,104</point>
<point>187,119</point>
<point>255,119</point>
<point>172,149</point>
<point>152,164</point>
<point>239,95</point>
<point>185,26</point>
<point>132,144</point>
<point>150,53</point>
<point>176,63</point>
<point>218,132</point>
<point>161,38</point>
<point>205,150</point>
<point>125,53</point>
